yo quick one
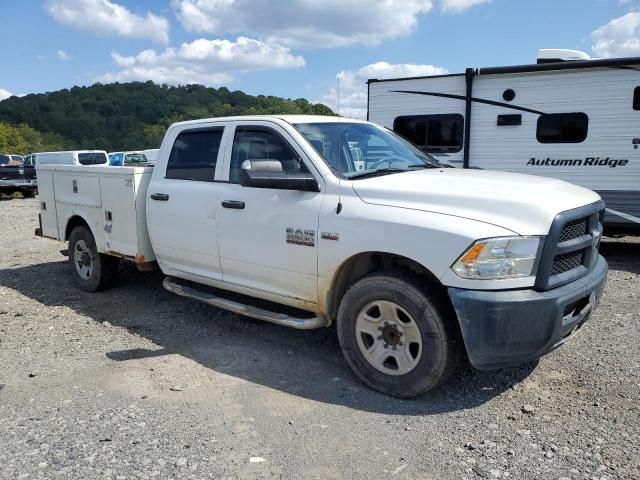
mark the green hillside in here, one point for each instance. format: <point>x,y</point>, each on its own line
<point>124,116</point>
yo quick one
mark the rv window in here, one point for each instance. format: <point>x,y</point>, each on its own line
<point>194,155</point>
<point>432,133</point>
<point>562,127</point>
<point>636,98</point>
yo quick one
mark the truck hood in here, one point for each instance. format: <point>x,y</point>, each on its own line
<point>524,204</point>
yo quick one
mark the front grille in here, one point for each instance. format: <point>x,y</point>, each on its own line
<point>571,248</point>
<point>574,229</point>
<point>566,262</point>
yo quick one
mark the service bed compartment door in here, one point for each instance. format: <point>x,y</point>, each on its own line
<point>78,189</point>
<point>268,238</point>
<point>182,204</point>
<point>118,208</point>
<point>48,214</point>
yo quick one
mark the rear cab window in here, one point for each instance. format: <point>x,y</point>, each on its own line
<point>135,158</point>
<point>194,155</point>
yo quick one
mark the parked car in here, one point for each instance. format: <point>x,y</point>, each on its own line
<point>16,177</point>
<point>416,263</point>
<point>118,159</point>
<point>72,157</point>
<point>566,117</point>
<point>151,154</point>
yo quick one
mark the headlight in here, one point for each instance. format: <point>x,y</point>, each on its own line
<point>497,258</point>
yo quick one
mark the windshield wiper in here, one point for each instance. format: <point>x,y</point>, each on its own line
<point>374,173</point>
<point>424,165</point>
<point>384,171</point>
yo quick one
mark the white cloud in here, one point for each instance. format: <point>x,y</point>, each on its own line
<point>207,62</point>
<point>305,23</point>
<point>108,18</point>
<point>618,38</point>
<point>62,55</point>
<point>352,101</point>
<point>456,6</point>
<point>4,94</point>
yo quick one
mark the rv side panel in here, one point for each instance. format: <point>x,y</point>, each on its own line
<point>530,122</point>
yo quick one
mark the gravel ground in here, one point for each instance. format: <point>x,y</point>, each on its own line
<point>136,383</point>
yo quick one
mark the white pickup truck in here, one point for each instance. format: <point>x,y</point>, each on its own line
<point>416,263</point>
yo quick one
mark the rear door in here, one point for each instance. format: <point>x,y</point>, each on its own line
<point>182,203</point>
<point>268,238</point>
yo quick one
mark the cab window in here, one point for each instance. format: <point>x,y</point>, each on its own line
<point>194,155</point>
<point>261,143</point>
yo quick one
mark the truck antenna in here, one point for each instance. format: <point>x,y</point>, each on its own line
<point>339,207</point>
<point>338,94</point>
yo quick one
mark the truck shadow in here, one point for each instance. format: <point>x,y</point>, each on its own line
<point>307,364</point>
<point>622,254</point>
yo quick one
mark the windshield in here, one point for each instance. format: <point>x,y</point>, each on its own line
<point>356,150</point>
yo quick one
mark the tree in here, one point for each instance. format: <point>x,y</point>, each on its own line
<point>11,140</point>
<point>130,116</point>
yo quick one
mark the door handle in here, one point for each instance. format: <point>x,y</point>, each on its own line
<point>163,197</point>
<point>235,204</point>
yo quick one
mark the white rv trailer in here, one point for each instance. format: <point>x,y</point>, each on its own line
<point>575,120</point>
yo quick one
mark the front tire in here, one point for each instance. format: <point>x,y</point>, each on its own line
<point>92,271</point>
<point>395,336</point>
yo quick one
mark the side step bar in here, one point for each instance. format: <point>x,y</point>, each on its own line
<point>175,286</point>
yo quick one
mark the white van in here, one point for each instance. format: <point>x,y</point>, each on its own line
<point>73,157</point>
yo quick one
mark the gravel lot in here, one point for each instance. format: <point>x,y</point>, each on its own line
<point>136,383</point>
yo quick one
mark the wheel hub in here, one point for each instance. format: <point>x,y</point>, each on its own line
<point>391,335</point>
<point>82,259</point>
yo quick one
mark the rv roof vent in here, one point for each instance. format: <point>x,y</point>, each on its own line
<point>552,55</point>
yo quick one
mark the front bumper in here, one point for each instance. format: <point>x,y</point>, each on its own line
<point>509,327</point>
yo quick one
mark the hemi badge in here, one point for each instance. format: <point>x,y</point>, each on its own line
<point>330,236</point>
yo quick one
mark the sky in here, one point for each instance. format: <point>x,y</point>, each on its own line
<point>293,48</point>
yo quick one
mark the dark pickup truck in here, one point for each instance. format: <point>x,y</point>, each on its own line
<point>16,177</point>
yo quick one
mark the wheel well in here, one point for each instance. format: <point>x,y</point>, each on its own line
<point>75,221</point>
<point>363,264</point>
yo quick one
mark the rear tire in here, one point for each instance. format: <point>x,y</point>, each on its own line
<point>92,271</point>
<point>395,336</point>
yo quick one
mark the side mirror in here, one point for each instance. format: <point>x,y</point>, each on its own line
<point>269,174</point>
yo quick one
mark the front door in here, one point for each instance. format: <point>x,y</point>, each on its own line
<point>182,204</point>
<point>268,238</point>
